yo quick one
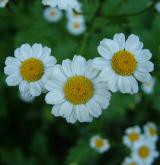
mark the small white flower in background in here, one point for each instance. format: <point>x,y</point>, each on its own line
<point>99,144</point>
<point>123,62</point>
<point>144,152</point>
<point>3,3</point>
<point>157,6</point>
<point>76,92</point>
<point>151,132</point>
<point>129,161</point>
<point>28,68</point>
<point>26,97</point>
<point>62,4</point>
<point>132,136</point>
<point>76,27</point>
<point>52,14</point>
<point>148,87</point>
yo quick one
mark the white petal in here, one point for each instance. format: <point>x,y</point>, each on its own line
<point>72,118</point>
<point>143,77</point>
<point>35,89</point>
<point>94,108</point>
<point>133,44</point>
<point>120,39</point>
<point>102,101</point>
<point>53,85</point>
<point>124,84</point>
<point>134,85</point>
<point>100,63</point>
<point>66,109</point>
<point>112,83</point>
<point>11,69</point>
<point>24,86</point>
<point>66,65</point>
<point>55,97</point>
<point>83,113</point>
<point>50,61</point>
<point>144,55</point>
<point>18,55</point>
<point>146,66</point>
<point>26,51</point>
<point>12,61</point>
<point>107,74</point>
<point>13,80</point>
<point>37,50</point>
<point>78,65</point>
<point>56,110</point>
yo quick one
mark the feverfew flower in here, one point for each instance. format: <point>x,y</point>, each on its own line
<point>144,152</point>
<point>3,3</point>
<point>62,4</point>
<point>76,92</point>
<point>52,14</point>
<point>129,161</point>
<point>132,136</point>
<point>76,27</point>
<point>150,130</point>
<point>28,68</point>
<point>123,62</point>
<point>148,87</point>
<point>99,144</point>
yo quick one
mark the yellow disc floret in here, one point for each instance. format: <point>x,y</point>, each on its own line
<point>78,90</point>
<point>144,151</point>
<point>153,131</point>
<point>99,143</point>
<point>133,136</point>
<point>32,69</point>
<point>124,63</point>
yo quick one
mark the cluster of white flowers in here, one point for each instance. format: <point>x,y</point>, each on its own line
<point>62,4</point>
<point>99,144</point>
<point>142,145</point>
<point>3,3</point>
<point>79,89</point>
<point>75,21</point>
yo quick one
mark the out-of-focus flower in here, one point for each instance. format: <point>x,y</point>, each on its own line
<point>132,136</point>
<point>144,152</point>
<point>150,130</point>
<point>28,68</point>
<point>123,62</point>
<point>52,14</point>
<point>3,3</point>
<point>129,161</point>
<point>26,97</point>
<point>148,87</point>
<point>157,6</point>
<point>76,92</point>
<point>100,144</point>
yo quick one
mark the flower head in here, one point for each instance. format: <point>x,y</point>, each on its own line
<point>123,63</point>
<point>99,144</point>
<point>76,92</point>
<point>3,3</point>
<point>129,161</point>
<point>148,87</point>
<point>29,68</point>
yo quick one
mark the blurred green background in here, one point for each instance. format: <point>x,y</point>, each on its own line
<point>29,134</point>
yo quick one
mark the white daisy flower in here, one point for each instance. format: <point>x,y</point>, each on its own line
<point>157,6</point>
<point>132,136</point>
<point>76,27</point>
<point>123,62</point>
<point>129,161</point>
<point>144,152</point>
<point>76,92</point>
<point>29,67</point>
<point>62,4</point>
<point>150,130</point>
<point>3,3</point>
<point>26,97</point>
<point>148,87</point>
<point>99,144</point>
<point>52,14</point>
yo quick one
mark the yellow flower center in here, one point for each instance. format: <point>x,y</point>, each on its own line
<point>124,63</point>
<point>78,90</point>
<point>144,152</point>
<point>53,13</point>
<point>133,163</point>
<point>76,25</point>
<point>99,143</point>
<point>133,136</point>
<point>152,131</point>
<point>32,69</point>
